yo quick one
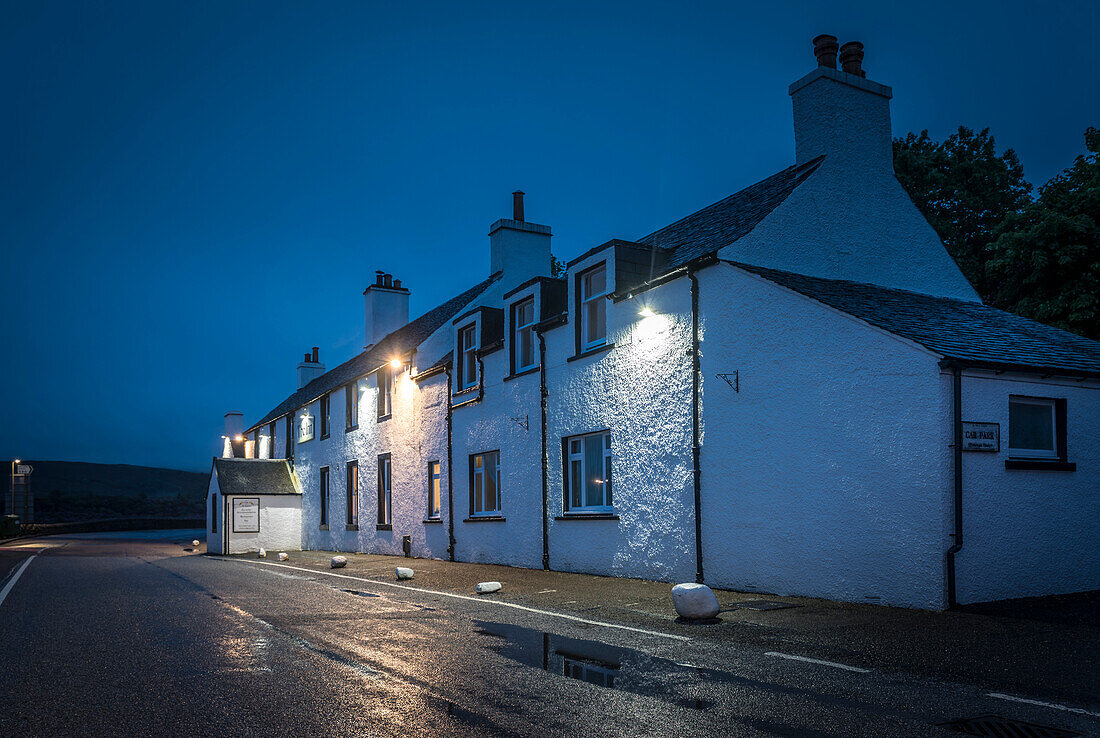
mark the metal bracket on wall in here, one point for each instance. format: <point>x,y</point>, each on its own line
<point>522,422</point>
<point>732,380</point>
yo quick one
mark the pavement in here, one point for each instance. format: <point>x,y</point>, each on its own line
<point>134,634</point>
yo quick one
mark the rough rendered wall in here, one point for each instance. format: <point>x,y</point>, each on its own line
<point>214,539</point>
<point>1030,533</point>
<point>828,474</point>
<point>280,526</point>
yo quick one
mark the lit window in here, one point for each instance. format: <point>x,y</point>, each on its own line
<point>324,495</point>
<point>385,500</point>
<point>523,335</point>
<point>485,483</point>
<point>1033,427</point>
<point>324,416</point>
<point>593,307</point>
<point>385,393</point>
<point>467,357</point>
<point>588,473</point>
<point>435,482</point>
<point>353,493</point>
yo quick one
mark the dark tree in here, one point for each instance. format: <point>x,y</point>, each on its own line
<point>965,190</point>
<point>1045,265</point>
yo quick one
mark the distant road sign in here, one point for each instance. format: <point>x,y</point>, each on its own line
<point>23,468</point>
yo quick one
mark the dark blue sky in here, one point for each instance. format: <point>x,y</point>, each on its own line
<point>195,193</point>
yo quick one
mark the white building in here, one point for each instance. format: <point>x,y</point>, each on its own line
<point>793,390</point>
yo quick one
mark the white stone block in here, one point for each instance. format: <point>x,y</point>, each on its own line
<point>284,556</point>
<point>694,601</point>
<point>404,572</point>
<point>195,542</point>
<point>262,554</point>
<point>339,562</point>
<point>487,587</point>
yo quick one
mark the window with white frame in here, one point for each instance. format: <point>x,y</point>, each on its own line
<point>485,483</point>
<point>467,357</point>
<point>324,416</point>
<point>323,475</point>
<point>592,301</point>
<point>588,473</point>
<point>385,393</point>
<point>1033,427</point>
<point>435,484</point>
<point>385,500</point>
<point>353,494</point>
<point>351,406</point>
<point>523,335</point>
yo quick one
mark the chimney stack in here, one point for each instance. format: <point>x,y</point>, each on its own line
<point>851,58</point>
<point>825,48</point>
<point>519,249</point>
<point>310,368</point>
<point>387,307</point>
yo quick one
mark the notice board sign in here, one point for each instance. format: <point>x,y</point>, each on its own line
<point>246,514</point>
<point>981,436</point>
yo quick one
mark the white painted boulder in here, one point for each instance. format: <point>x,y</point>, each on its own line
<point>284,556</point>
<point>339,562</point>
<point>487,587</point>
<point>262,554</point>
<point>404,572</point>
<point>195,543</point>
<point>694,601</point>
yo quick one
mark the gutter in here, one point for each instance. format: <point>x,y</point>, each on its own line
<point>957,535</point>
<point>695,466</point>
<point>543,394</point>
<point>450,473</point>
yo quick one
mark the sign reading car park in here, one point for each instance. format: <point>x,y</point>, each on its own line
<point>981,436</point>
<point>23,468</point>
<point>246,514</point>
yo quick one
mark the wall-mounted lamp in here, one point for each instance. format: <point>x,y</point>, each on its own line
<point>646,312</point>
<point>396,363</point>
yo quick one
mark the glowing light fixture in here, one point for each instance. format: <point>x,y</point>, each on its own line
<point>18,461</point>
<point>239,438</point>
<point>646,313</point>
<point>396,363</point>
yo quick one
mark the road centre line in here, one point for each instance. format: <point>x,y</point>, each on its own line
<point>15,578</point>
<point>808,660</point>
<point>440,593</point>
<point>1051,705</point>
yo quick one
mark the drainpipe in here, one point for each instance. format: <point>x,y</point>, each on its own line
<point>957,536</point>
<point>450,474</point>
<point>695,470</point>
<point>543,394</point>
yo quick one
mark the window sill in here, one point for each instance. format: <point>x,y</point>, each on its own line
<point>587,516</point>
<point>484,519</point>
<point>323,526</point>
<point>464,391</point>
<point>349,526</point>
<point>383,526</point>
<point>351,428</point>
<point>522,373</point>
<point>592,352</point>
<point>432,521</point>
<point>383,418</point>
<point>324,436</point>
<point>1040,465</point>
<point>472,401</point>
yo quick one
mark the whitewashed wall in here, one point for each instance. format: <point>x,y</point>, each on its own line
<point>1030,533</point>
<point>828,474</point>
<point>214,539</point>
<point>280,525</point>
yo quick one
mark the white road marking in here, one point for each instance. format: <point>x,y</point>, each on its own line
<point>1051,705</point>
<point>15,578</point>
<point>808,660</point>
<point>546,591</point>
<point>472,599</point>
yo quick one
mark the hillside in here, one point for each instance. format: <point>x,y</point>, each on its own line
<point>67,491</point>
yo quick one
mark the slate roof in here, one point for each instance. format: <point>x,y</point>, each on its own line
<point>969,332</point>
<point>401,341</point>
<point>717,226</point>
<point>254,477</point>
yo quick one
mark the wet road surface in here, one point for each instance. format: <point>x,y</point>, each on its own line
<point>119,635</point>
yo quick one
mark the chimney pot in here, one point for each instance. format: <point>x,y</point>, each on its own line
<point>387,280</point>
<point>825,48</point>
<point>517,205</point>
<point>851,58</point>
<point>397,284</point>
<point>316,358</point>
<point>378,277</point>
<point>306,357</point>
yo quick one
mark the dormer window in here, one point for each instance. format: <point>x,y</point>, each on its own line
<point>592,292</point>
<point>523,335</point>
<point>467,357</point>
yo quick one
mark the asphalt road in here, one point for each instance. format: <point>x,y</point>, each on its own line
<point>126,636</point>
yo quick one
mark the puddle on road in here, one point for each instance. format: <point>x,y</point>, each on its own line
<point>612,667</point>
<point>357,593</point>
